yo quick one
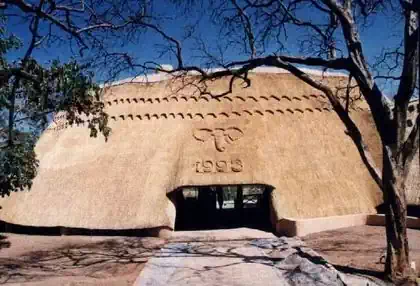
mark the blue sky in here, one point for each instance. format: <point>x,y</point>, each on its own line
<point>383,31</point>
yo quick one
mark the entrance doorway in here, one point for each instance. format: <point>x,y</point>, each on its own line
<point>222,206</point>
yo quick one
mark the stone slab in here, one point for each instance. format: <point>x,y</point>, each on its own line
<point>260,261</point>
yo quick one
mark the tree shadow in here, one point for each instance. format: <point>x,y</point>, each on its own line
<point>358,271</point>
<point>108,258</point>
<point>293,263</point>
<point>95,260</point>
<point>4,243</point>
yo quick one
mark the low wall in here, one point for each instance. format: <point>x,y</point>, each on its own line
<point>162,231</point>
<point>285,226</point>
<point>379,219</point>
<point>302,227</point>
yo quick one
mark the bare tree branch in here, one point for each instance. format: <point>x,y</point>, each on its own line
<point>247,28</point>
<point>409,75</point>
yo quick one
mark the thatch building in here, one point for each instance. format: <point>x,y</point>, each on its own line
<point>279,133</point>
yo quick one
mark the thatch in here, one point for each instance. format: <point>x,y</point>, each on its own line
<point>279,132</point>
<point>374,143</point>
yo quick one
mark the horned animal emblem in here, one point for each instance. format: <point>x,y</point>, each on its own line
<point>222,137</point>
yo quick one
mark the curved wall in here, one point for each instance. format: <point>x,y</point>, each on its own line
<point>277,132</point>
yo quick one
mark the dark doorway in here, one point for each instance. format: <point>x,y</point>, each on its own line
<point>412,210</point>
<point>218,207</point>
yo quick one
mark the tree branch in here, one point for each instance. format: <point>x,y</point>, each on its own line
<point>353,130</point>
<point>247,29</point>
<point>12,96</point>
<point>408,80</point>
<point>6,74</point>
<point>30,9</point>
<point>34,116</point>
<point>178,53</point>
<point>374,97</point>
<point>337,64</point>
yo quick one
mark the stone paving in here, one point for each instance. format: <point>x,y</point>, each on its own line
<point>245,261</point>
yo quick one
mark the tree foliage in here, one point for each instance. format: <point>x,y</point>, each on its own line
<point>30,95</point>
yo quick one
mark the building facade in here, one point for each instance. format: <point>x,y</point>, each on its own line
<point>278,133</point>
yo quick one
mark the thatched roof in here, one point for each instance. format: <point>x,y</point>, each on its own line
<point>279,132</point>
<point>413,181</point>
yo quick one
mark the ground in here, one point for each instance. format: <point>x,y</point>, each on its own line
<point>74,260</point>
<point>359,249</point>
<point>259,261</point>
<point>82,260</point>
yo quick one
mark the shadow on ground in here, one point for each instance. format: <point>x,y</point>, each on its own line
<point>265,261</point>
<point>96,260</point>
<point>359,249</point>
<point>4,243</point>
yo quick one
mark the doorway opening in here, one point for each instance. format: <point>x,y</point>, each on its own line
<point>222,206</point>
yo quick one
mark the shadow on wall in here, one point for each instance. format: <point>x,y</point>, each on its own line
<point>222,206</point>
<point>59,230</point>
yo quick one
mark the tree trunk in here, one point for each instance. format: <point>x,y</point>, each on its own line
<point>397,266</point>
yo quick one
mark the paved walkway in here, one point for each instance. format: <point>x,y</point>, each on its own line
<point>238,257</point>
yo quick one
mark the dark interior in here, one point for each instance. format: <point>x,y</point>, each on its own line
<point>222,206</point>
<point>412,210</point>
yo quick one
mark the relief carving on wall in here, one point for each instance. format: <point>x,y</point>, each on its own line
<point>219,166</point>
<point>222,136</point>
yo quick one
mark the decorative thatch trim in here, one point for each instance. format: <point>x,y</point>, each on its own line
<point>206,99</point>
